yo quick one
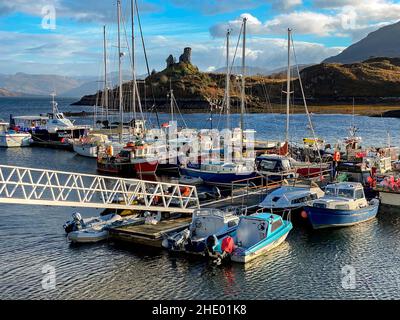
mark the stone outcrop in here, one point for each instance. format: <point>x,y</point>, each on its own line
<point>186,57</point>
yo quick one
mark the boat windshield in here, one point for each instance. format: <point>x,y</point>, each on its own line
<point>274,165</point>
<point>346,193</point>
<point>330,191</point>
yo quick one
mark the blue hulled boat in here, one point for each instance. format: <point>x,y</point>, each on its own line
<point>219,173</point>
<point>344,204</point>
<point>255,235</point>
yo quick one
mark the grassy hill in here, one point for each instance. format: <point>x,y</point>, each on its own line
<point>372,82</point>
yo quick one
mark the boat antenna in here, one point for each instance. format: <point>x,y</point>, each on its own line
<point>54,104</point>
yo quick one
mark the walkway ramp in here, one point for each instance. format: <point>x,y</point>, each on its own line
<point>28,186</point>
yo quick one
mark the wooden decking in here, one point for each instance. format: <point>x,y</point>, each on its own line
<point>148,234</point>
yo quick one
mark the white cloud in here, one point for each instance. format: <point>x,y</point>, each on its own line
<point>285,5</point>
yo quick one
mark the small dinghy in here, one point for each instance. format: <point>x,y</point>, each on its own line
<point>344,204</point>
<point>205,223</point>
<point>91,229</point>
<point>193,181</point>
<point>255,235</point>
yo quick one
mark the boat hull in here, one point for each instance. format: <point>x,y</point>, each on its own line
<point>86,150</point>
<point>247,256</point>
<point>146,167</point>
<point>14,140</point>
<point>311,171</point>
<point>87,237</point>
<point>389,198</point>
<point>220,179</point>
<point>331,218</point>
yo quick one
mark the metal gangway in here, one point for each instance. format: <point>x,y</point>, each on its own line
<point>28,186</point>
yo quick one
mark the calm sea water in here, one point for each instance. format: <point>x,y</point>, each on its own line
<point>307,266</point>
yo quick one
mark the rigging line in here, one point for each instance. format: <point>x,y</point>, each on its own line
<point>236,49</point>
<point>179,110</point>
<point>147,62</point>
<point>305,101</point>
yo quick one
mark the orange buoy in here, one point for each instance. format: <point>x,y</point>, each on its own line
<point>304,214</point>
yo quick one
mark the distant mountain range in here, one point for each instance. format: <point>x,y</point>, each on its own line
<point>384,42</point>
<point>23,84</point>
<point>250,71</point>
<point>7,93</point>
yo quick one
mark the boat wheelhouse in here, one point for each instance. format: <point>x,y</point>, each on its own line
<point>293,195</point>
<point>275,167</point>
<point>205,223</point>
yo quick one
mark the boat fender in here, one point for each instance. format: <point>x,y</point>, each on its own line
<point>228,245</point>
<point>304,214</point>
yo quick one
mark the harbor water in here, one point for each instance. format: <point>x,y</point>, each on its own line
<point>361,262</point>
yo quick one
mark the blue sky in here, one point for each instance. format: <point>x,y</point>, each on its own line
<point>321,28</point>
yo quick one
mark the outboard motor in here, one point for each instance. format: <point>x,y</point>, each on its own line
<point>75,224</point>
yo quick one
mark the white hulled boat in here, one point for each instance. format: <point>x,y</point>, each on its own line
<point>11,138</point>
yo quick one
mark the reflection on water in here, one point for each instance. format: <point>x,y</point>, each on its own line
<point>307,266</point>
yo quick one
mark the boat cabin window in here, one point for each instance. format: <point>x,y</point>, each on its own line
<point>250,232</point>
<point>276,225</point>
<point>124,153</point>
<point>346,193</point>
<point>330,191</point>
<point>204,226</point>
<point>359,194</point>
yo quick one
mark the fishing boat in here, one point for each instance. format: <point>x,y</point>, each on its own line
<point>89,145</point>
<point>220,173</point>
<point>255,235</point>
<point>50,130</point>
<point>205,223</point>
<point>292,196</point>
<point>133,159</point>
<point>344,204</point>
<point>11,138</point>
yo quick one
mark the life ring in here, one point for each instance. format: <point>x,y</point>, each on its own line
<point>336,156</point>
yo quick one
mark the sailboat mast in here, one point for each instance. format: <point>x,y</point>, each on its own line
<point>288,90</point>
<point>133,59</point>
<point>121,111</point>
<point>105,92</point>
<point>227,89</point>
<point>243,94</point>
